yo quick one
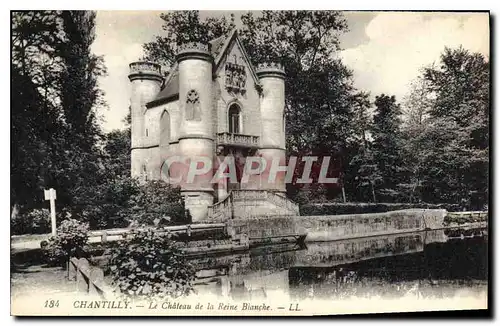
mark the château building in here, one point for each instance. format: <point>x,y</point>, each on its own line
<point>212,103</point>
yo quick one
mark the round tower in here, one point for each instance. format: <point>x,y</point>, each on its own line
<point>272,105</point>
<point>196,135</point>
<point>146,82</point>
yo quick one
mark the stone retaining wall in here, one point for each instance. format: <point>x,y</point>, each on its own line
<point>337,227</point>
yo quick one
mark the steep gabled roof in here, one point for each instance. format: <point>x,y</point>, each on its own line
<point>219,48</point>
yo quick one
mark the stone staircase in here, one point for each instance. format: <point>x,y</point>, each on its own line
<point>245,204</point>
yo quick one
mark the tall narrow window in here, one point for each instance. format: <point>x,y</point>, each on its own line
<point>144,172</point>
<point>234,119</point>
<point>164,128</point>
<point>193,110</point>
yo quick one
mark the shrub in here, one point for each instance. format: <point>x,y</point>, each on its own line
<point>148,264</point>
<point>70,240</point>
<point>36,221</point>
<point>365,208</point>
<point>106,205</point>
<point>156,200</point>
<point>123,200</point>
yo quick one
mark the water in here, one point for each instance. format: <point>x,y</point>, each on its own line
<point>433,264</point>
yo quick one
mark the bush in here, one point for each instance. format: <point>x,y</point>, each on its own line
<point>70,240</point>
<point>365,208</point>
<point>148,264</point>
<point>36,221</point>
<point>157,200</point>
<point>123,200</point>
<point>106,205</point>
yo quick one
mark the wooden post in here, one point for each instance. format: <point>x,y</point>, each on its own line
<point>72,269</point>
<point>96,277</point>
<point>82,275</point>
<point>343,193</point>
<point>104,236</point>
<point>373,192</point>
<point>51,195</point>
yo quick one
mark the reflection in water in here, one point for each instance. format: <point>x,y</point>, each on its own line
<point>427,264</point>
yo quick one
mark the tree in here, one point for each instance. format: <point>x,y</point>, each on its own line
<point>80,100</point>
<point>181,27</point>
<point>80,96</point>
<point>445,142</point>
<point>321,101</point>
<point>387,145</point>
<point>35,115</point>
<point>457,168</point>
<point>417,104</point>
<point>117,152</point>
<point>416,120</point>
<point>55,122</point>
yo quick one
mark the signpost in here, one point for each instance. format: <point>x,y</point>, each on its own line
<point>51,195</point>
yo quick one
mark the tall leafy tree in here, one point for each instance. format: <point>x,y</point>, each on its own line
<point>55,127</point>
<point>35,116</point>
<point>80,96</point>
<point>81,99</point>
<point>181,27</point>
<point>446,131</point>
<point>386,146</point>
<point>460,87</point>
<point>321,102</point>
<point>416,120</point>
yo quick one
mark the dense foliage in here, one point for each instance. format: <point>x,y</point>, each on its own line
<point>313,209</point>
<point>55,102</point>
<point>56,137</point>
<point>147,264</point>
<point>447,147</point>
<point>36,221</point>
<point>69,241</point>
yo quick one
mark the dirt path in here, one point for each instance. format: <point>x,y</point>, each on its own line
<point>44,281</point>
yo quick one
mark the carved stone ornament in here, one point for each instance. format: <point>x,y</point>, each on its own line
<point>236,77</point>
<point>193,110</point>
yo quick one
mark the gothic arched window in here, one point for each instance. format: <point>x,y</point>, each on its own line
<point>234,119</point>
<point>165,128</point>
<point>193,110</point>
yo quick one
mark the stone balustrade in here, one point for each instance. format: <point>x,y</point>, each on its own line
<point>229,139</point>
<point>281,201</point>
<point>221,211</point>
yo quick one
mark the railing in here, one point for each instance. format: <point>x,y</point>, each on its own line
<point>89,279</point>
<point>221,210</point>
<point>478,214</point>
<point>226,138</point>
<point>249,194</point>
<point>282,201</point>
<point>275,198</point>
<point>23,242</point>
<point>466,217</point>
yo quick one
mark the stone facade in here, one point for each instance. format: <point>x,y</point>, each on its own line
<point>212,103</point>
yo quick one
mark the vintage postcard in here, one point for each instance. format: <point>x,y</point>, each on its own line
<point>249,163</point>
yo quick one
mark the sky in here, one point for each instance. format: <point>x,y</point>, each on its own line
<point>385,50</point>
